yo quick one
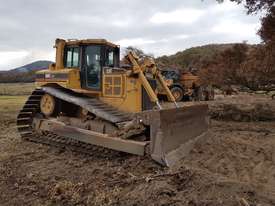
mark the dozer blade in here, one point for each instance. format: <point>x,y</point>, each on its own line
<point>175,131</point>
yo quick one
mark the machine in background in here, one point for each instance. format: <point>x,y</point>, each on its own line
<point>185,86</point>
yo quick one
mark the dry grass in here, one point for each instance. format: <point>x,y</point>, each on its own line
<point>10,105</point>
<point>15,89</point>
<point>12,97</point>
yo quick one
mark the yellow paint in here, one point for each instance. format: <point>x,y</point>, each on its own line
<point>120,88</point>
<point>72,82</point>
<point>131,98</point>
<point>60,46</point>
<point>47,104</point>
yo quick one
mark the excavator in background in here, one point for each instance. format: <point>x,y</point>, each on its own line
<point>185,86</point>
<point>85,98</point>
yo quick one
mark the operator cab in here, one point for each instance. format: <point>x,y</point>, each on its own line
<point>90,56</point>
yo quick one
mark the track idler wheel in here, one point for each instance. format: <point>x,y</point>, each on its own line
<point>47,105</point>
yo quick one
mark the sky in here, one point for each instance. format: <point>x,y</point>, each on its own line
<point>28,28</point>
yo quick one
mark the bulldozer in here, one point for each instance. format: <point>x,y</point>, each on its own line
<point>86,99</point>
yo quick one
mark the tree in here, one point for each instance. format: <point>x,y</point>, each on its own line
<point>138,51</point>
<point>224,69</point>
<point>254,6</point>
<point>267,30</point>
<point>260,64</point>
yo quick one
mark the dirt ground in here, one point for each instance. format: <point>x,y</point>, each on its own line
<point>234,166</point>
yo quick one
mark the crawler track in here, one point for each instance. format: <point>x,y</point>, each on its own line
<point>27,132</point>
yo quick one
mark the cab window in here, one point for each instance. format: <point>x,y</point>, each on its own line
<point>110,58</point>
<point>72,57</point>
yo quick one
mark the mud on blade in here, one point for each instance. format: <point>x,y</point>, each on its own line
<point>174,132</point>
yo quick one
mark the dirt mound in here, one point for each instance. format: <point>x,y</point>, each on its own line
<point>240,108</point>
<point>243,108</point>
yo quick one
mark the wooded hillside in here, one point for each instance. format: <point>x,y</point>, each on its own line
<point>193,57</point>
<point>227,64</point>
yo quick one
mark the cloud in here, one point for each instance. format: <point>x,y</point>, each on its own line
<point>236,28</point>
<point>135,42</point>
<point>227,6</point>
<point>121,23</point>
<point>86,19</point>
<point>158,27</point>
<point>8,57</point>
<point>183,16</point>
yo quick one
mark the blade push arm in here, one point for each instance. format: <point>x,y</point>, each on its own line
<point>138,70</point>
<point>149,66</point>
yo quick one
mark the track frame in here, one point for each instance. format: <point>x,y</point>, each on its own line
<point>90,137</point>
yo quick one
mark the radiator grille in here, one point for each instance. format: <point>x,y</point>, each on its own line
<point>113,85</point>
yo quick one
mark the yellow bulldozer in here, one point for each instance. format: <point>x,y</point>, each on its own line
<point>86,98</point>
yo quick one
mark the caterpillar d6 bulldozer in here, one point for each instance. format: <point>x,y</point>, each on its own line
<point>85,98</point>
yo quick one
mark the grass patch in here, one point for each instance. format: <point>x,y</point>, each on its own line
<point>12,98</point>
<point>10,106</point>
<point>16,89</point>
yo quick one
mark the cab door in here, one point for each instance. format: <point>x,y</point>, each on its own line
<point>92,67</point>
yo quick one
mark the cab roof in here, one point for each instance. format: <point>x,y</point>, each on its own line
<point>90,41</point>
